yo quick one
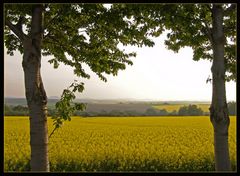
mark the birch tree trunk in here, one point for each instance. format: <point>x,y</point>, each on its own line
<point>35,93</point>
<point>218,110</point>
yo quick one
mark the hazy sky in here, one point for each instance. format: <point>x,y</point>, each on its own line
<point>156,74</point>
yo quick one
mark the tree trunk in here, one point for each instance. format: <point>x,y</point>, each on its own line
<point>218,110</point>
<point>35,93</point>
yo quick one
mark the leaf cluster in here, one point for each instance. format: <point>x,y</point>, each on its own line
<point>65,107</point>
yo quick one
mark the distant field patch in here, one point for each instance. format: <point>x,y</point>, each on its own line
<point>175,107</point>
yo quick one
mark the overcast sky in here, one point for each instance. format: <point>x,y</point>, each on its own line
<point>156,74</point>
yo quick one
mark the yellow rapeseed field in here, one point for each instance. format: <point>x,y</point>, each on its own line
<point>120,144</point>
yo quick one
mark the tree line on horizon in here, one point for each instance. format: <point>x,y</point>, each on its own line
<point>190,110</point>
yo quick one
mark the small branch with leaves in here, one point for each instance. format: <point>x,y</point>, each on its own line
<point>65,107</point>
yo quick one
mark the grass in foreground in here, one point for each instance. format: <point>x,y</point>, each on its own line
<point>120,144</point>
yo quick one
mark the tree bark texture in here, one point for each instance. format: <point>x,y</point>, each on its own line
<point>218,110</point>
<point>35,93</point>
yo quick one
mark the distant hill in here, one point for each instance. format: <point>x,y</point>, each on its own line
<point>122,107</point>
<point>94,105</point>
<point>15,101</point>
<point>53,99</point>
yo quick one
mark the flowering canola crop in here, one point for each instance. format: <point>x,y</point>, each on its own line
<point>120,144</point>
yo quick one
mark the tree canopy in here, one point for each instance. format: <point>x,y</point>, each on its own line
<point>79,33</point>
<point>189,25</point>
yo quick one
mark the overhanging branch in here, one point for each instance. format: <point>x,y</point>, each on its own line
<point>15,30</point>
